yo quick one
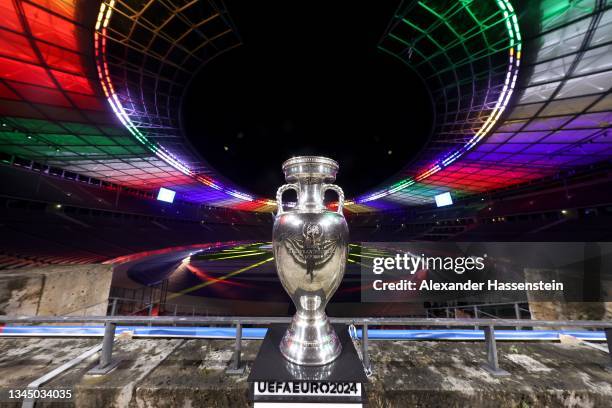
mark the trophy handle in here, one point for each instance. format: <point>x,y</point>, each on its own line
<point>279,196</point>
<point>338,190</point>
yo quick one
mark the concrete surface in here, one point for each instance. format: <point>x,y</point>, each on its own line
<point>556,307</point>
<point>56,290</point>
<point>190,373</point>
<point>20,294</point>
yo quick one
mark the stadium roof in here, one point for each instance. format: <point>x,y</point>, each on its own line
<point>556,116</point>
<point>97,91</point>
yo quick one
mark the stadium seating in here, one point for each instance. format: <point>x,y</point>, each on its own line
<point>48,219</point>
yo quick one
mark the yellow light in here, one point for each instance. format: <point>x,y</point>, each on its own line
<point>229,275</point>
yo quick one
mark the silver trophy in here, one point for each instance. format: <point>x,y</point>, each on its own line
<point>310,246</point>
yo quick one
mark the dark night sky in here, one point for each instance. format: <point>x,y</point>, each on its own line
<point>308,79</point>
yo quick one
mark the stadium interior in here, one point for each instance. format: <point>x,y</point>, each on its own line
<point>105,104</point>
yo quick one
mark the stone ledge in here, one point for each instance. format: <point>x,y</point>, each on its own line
<point>175,372</point>
<point>56,290</point>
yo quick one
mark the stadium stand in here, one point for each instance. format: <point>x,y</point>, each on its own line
<point>577,207</point>
<point>49,219</point>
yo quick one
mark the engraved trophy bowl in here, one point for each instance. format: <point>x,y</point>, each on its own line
<point>310,245</point>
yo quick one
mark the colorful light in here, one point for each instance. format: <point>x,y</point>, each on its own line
<point>514,53</point>
<point>100,41</point>
<point>100,35</point>
<point>54,112</point>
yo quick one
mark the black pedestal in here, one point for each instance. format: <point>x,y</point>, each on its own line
<point>273,379</point>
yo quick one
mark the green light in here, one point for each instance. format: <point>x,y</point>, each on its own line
<point>481,31</point>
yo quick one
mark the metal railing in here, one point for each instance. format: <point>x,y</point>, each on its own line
<point>477,310</point>
<point>492,364</point>
<point>169,309</point>
<point>139,307</point>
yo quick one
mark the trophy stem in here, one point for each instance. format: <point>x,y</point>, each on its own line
<point>310,340</point>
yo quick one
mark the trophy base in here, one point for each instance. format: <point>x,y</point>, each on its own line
<point>310,341</point>
<point>300,385</point>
